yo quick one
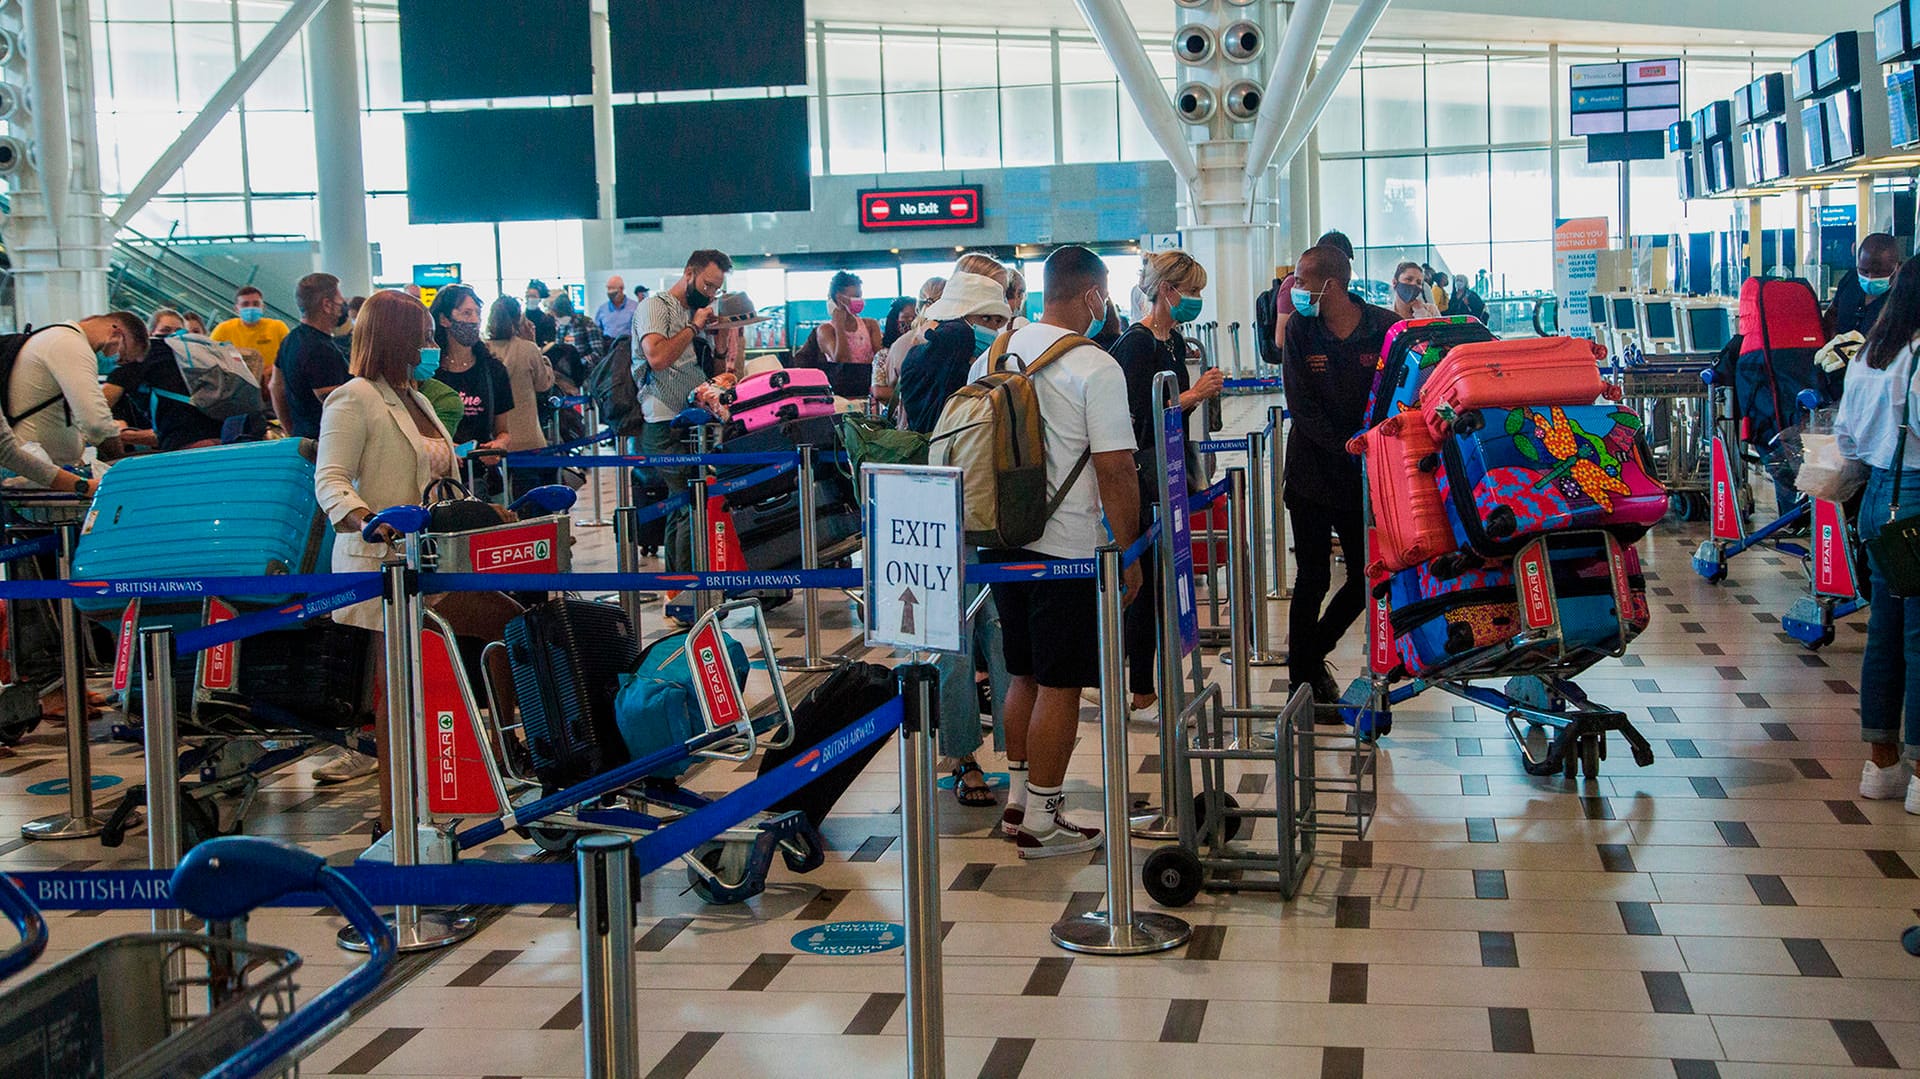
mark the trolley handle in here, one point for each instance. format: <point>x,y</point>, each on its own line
<point>1810,398</point>
<point>551,498</point>
<point>26,918</point>
<point>223,878</point>
<point>405,520</point>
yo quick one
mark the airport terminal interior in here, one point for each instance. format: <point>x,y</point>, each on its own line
<point>547,538</point>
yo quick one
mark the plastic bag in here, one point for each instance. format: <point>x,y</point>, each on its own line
<point>1824,472</point>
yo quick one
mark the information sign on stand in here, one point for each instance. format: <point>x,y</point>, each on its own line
<point>1182,517</point>
<point>916,557</point>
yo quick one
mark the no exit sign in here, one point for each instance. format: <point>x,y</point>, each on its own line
<point>920,208</point>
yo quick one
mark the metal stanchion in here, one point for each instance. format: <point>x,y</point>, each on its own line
<point>1277,484</point>
<point>78,822</point>
<point>920,872</point>
<point>1117,930</point>
<point>1233,331</point>
<point>626,535</point>
<point>1239,601</point>
<point>594,476</point>
<point>699,540</point>
<point>811,660</point>
<point>1259,516</point>
<point>159,724</point>
<point>413,929</point>
<point>607,1021</point>
<point>1164,823</point>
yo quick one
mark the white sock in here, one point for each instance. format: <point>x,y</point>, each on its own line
<point>1017,785</point>
<point>1043,809</point>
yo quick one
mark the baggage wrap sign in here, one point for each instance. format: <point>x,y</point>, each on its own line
<point>123,649</point>
<point>713,677</point>
<point>1536,587</point>
<point>457,780</point>
<point>1180,515</point>
<point>529,548</point>
<point>217,663</point>
<point>916,557</point>
<point>1832,558</point>
<point>1577,243</point>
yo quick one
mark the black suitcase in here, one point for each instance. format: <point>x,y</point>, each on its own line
<point>649,491</point>
<point>567,656</point>
<point>821,432</point>
<point>316,674</point>
<point>846,695</point>
<point>770,531</point>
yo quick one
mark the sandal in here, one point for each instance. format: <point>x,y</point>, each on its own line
<point>973,795</point>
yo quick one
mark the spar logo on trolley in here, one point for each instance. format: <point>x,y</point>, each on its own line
<point>1536,588</point>
<point>526,549</point>
<point>707,654</point>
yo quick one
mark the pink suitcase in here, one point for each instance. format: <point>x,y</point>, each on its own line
<point>791,393</point>
<point>1519,372</point>
<point>1409,520</point>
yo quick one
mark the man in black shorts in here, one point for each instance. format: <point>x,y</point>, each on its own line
<point>1332,345</point>
<point>1050,627</point>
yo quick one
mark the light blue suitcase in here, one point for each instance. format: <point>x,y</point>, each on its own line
<point>242,510</point>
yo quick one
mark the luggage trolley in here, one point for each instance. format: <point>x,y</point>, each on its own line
<point>1307,804</point>
<point>160,1005</point>
<point>1674,410</point>
<point>1730,498</point>
<point>1556,725</point>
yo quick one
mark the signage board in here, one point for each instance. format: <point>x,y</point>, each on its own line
<point>888,209</point>
<point>1181,515</point>
<point>714,678</point>
<point>458,782</point>
<point>434,276</point>
<point>1577,243</point>
<point>217,664</point>
<point>530,548</point>
<point>916,557</point>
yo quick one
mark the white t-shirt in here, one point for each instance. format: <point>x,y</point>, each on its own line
<point>1083,407</point>
<point>58,363</point>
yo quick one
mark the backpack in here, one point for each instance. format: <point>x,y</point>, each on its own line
<point>10,346</point>
<point>1266,317</point>
<point>654,706</point>
<point>1780,331</point>
<point>871,441</point>
<point>616,396</point>
<point>992,431</point>
<point>219,382</point>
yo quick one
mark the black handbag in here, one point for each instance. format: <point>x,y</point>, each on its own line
<point>1895,550</point>
<point>451,507</point>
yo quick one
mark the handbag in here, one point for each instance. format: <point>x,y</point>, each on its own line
<point>1895,550</point>
<point>451,507</point>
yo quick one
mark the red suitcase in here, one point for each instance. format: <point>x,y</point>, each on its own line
<point>1408,517</point>
<point>1209,552</point>
<point>1533,371</point>
<point>791,393</point>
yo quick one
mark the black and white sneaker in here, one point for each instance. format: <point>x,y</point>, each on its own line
<point>1065,838</point>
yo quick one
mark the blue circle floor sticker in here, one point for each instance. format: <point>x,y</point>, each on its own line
<point>62,786</point>
<point>850,938</point>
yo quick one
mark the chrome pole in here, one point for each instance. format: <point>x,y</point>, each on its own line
<point>1239,601</point>
<point>78,822</point>
<point>594,475</point>
<point>159,723</point>
<point>1277,483</point>
<point>1117,930</point>
<point>608,1024</point>
<point>413,929</point>
<point>1164,823</point>
<point>810,660</point>
<point>920,873</point>
<point>699,540</point>
<point>1259,515</point>
<point>626,537</point>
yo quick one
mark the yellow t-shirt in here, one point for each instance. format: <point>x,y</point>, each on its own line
<point>263,337</point>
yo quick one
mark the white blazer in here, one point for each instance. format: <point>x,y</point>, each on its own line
<point>372,456</point>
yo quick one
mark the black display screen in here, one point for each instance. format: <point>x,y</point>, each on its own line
<point>446,49</point>
<point>748,155</point>
<point>707,46</point>
<point>457,171</point>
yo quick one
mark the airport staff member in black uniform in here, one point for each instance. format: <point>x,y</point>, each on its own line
<point>1858,297</point>
<point>1331,347</point>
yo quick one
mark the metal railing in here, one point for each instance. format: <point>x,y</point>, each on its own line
<point>149,272</point>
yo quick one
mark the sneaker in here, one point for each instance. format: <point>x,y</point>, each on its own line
<point>1889,782</point>
<point>1010,821</point>
<point>1913,796</point>
<point>1064,839</point>
<point>346,765</point>
<point>1147,715</point>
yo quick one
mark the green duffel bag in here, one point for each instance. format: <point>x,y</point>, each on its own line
<point>871,441</point>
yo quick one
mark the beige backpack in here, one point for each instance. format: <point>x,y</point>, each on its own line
<point>992,431</point>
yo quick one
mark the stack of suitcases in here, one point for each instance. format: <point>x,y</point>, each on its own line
<point>777,412</point>
<point>1475,447</point>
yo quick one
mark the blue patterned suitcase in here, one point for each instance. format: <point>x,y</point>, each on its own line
<point>1413,348</point>
<point>224,511</point>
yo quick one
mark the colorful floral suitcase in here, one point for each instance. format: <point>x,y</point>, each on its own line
<point>1408,517</point>
<point>1509,374</point>
<point>1508,475</point>
<point>1412,348</point>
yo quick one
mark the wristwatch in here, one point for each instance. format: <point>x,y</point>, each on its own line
<point>83,487</point>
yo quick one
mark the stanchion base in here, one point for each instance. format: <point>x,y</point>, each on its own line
<point>801,665</point>
<point>61,826</point>
<point>1267,659</point>
<point>1091,934</point>
<point>592,524</point>
<point>431,929</point>
<point>1160,826</point>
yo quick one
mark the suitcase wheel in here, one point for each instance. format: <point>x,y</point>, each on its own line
<point>1429,464</point>
<point>1468,422</point>
<point>778,379</point>
<point>788,412</point>
<point>1501,523</point>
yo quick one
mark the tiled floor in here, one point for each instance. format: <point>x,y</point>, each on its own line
<point>1732,910</point>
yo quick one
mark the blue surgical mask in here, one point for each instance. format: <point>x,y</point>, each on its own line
<point>1099,323</point>
<point>105,362</point>
<point>429,364</point>
<point>1875,286</point>
<point>1303,302</point>
<point>1187,309</point>
<point>982,338</point>
<point>252,315</point>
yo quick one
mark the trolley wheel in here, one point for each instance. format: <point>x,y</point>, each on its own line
<point>1910,940</point>
<point>1172,876</point>
<point>728,861</point>
<point>1589,757</point>
<point>199,821</point>
<point>1205,825</point>
<point>553,840</point>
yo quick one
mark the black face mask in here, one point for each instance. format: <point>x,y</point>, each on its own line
<point>342,319</point>
<point>695,298</point>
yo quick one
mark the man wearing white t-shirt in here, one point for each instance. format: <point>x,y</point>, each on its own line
<point>53,396</point>
<point>1051,627</point>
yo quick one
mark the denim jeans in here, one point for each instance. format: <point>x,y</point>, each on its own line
<point>960,734</point>
<point>660,437</point>
<point>1890,666</point>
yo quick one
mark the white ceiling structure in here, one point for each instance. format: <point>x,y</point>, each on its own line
<point>1653,24</point>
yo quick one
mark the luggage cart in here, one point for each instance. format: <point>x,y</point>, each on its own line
<point>1675,412</point>
<point>32,645</point>
<point>1557,727</point>
<point>1308,804</point>
<point>161,1005</point>
<point>1730,498</point>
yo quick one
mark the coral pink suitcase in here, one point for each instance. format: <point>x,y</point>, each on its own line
<point>791,393</point>
<point>1534,371</point>
<point>1412,350</point>
<point>1409,519</point>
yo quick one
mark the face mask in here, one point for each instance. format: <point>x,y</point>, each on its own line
<point>982,338</point>
<point>464,333</point>
<point>855,305</point>
<point>342,319</point>
<point>105,362</point>
<point>1303,302</point>
<point>429,364</point>
<point>252,315</point>
<point>695,298</point>
<point>1407,293</point>
<point>1187,309</point>
<point>1099,323</point>
<point>1875,286</point>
